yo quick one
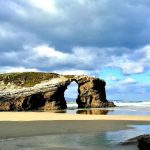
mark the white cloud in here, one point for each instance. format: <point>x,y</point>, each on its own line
<point>90,59</point>
<point>132,63</point>
<point>71,72</point>
<point>129,67</point>
<point>112,78</point>
<point>78,58</point>
<point>128,81</point>
<point>46,51</point>
<point>85,54</point>
<point>45,5</point>
<point>19,10</point>
<point>17,69</point>
<point>146,52</point>
<point>82,2</point>
<point>122,84</point>
<point>86,36</point>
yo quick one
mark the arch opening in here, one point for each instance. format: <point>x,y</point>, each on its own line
<point>71,95</point>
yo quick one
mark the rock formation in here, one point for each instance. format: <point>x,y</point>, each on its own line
<point>45,91</point>
<point>142,141</point>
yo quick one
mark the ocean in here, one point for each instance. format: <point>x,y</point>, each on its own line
<point>141,108</point>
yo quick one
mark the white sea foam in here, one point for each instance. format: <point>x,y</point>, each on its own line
<point>72,105</point>
<point>123,108</point>
<point>130,104</point>
<point>118,103</point>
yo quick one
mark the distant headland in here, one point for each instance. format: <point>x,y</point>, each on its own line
<point>45,91</point>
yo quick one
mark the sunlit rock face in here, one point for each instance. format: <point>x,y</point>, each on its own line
<point>45,91</point>
<point>91,93</point>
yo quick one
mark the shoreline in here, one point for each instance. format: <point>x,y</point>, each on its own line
<point>15,129</point>
<point>24,124</point>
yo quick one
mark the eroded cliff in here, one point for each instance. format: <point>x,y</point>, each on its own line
<point>45,91</point>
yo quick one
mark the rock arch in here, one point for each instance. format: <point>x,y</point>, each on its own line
<point>49,94</point>
<point>91,92</point>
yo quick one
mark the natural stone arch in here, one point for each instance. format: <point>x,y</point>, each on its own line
<point>91,92</point>
<point>47,91</point>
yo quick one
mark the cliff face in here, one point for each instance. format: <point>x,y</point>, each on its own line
<point>45,91</point>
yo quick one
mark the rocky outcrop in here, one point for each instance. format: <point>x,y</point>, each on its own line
<point>91,92</point>
<point>45,91</point>
<point>142,141</point>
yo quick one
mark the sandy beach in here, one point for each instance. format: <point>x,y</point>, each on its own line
<point>20,124</point>
<point>49,116</point>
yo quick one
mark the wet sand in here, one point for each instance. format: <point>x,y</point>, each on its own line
<point>21,124</point>
<point>34,128</point>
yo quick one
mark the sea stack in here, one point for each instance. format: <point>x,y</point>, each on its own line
<point>45,91</point>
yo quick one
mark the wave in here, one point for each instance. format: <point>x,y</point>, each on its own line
<point>72,105</point>
<point>118,103</point>
<point>137,104</point>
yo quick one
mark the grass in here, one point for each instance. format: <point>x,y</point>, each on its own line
<point>29,79</point>
<point>69,76</point>
<point>26,79</point>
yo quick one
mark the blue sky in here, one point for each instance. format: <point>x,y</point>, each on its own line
<point>103,38</point>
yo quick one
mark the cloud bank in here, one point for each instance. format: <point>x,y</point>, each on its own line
<point>79,37</point>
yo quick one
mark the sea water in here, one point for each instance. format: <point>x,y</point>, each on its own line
<point>141,108</point>
<point>79,141</point>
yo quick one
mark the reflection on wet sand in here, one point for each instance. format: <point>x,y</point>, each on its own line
<point>93,111</point>
<point>59,111</point>
<point>84,111</point>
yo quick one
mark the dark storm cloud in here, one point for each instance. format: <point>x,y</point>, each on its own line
<point>106,28</point>
<point>79,36</point>
<point>95,23</point>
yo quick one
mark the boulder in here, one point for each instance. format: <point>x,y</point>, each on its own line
<point>142,142</point>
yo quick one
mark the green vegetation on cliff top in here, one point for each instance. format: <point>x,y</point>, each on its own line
<point>26,79</point>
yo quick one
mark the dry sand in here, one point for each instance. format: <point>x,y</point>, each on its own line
<point>45,116</point>
<point>20,124</point>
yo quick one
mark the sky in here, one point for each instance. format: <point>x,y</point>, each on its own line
<point>103,38</point>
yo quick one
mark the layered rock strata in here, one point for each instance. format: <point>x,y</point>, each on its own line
<point>45,91</point>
